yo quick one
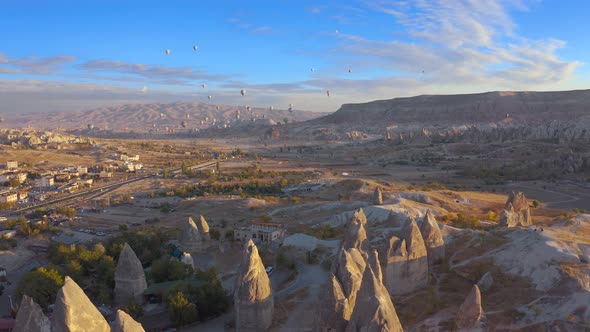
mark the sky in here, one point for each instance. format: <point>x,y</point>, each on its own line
<point>76,55</point>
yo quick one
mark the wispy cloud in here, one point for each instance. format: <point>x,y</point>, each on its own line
<point>35,65</point>
<point>155,73</point>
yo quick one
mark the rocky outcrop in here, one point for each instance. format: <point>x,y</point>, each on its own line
<point>191,239</point>
<point>433,239</point>
<point>203,227</point>
<point>130,280</point>
<point>187,259</point>
<point>30,317</point>
<point>486,282</point>
<point>125,323</point>
<point>374,310</point>
<point>405,261</point>
<point>375,264</point>
<point>253,298</point>
<point>74,312</point>
<point>348,269</point>
<point>471,315</point>
<point>377,196</point>
<point>356,235</point>
<point>516,212</point>
<point>335,311</point>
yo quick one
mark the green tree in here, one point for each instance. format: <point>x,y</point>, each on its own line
<point>74,270</point>
<point>286,120</point>
<point>182,312</point>
<point>14,183</point>
<point>134,310</point>
<point>215,234</point>
<point>169,270</point>
<point>536,203</point>
<point>42,285</point>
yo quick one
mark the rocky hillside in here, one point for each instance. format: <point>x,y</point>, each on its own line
<point>480,108</point>
<point>177,116</point>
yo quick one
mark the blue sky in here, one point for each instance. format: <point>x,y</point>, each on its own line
<point>62,55</point>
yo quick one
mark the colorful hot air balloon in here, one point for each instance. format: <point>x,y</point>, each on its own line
<point>243,92</point>
<point>167,52</point>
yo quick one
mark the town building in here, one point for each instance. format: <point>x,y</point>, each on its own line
<point>8,197</point>
<point>125,157</point>
<point>45,182</point>
<point>261,232</point>
<point>105,174</point>
<point>82,170</point>
<point>11,164</point>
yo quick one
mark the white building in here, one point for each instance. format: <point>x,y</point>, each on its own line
<point>105,174</point>
<point>45,182</point>
<point>131,167</point>
<point>125,157</point>
<point>8,197</point>
<point>12,164</point>
<point>82,170</point>
<point>261,232</point>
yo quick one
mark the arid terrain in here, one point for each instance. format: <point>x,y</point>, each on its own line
<point>432,213</point>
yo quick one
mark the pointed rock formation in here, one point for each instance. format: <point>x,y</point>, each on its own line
<point>360,217</point>
<point>377,197</point>
<point>130,280</point>
<point>30,317</point>
<point>125,323</point>
<point>335,310</point>
<point>348,269</point>
<point>470,314</point>
<point>356,235</point>
<point>191,240</point>
<point>74,312</point>
<point>203,227</point>
<point>516,212</point>
<point>433,239</point>
<point>486,282</point>
<point>187,259</point>
<point>374,310</point>
<point>375,264</point>
<point>253,298</point>
<point>405,261</point>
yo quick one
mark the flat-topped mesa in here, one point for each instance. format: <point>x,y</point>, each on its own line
<point>335,311</point>
<point>355,234</point>
<point>516,212</point>
<point>253,298</point>
<point>130,280</point>
<point>30,317</point>
<point>74,312</point>
<point>125,323</point>
<point>348,269</point>
<point>471,315</point>
<point>191,240</point>
<point>203,227</point>
<point>433,239</point>
<point>374,310</point>
<point>405,261</point>
<point>377,197</point>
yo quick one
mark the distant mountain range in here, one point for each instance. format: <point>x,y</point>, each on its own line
<point>177,116</point>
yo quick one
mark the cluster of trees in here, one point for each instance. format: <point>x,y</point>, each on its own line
<point>92,266</point>
<point>189,302</point>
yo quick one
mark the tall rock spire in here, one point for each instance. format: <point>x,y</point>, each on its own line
<point>30,317</point>
<point>253,298</point>
<point>433,239</point>
<point>130,280</point>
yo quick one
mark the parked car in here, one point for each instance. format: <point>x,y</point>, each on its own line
<point>269,270</point>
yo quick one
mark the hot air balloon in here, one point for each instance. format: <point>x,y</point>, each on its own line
<point>217,108</point>
<point>312,70</point>
<point>328,93</point>
<point>337,31</point>
<point>237,112</point>
<point>161,115</point>
<point>271,108</point>
<point>209,96</point>
<point>153,125</point>
<point>206,118</point>
<point>167,52</point>
<point>188,116</point>
<point>204,85</point>
<point>249,109</point>
<point>90,126</point>
<point>195,47</point>
<point>243,92</point>
<point>183,124</point>
<point>350,70</point>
